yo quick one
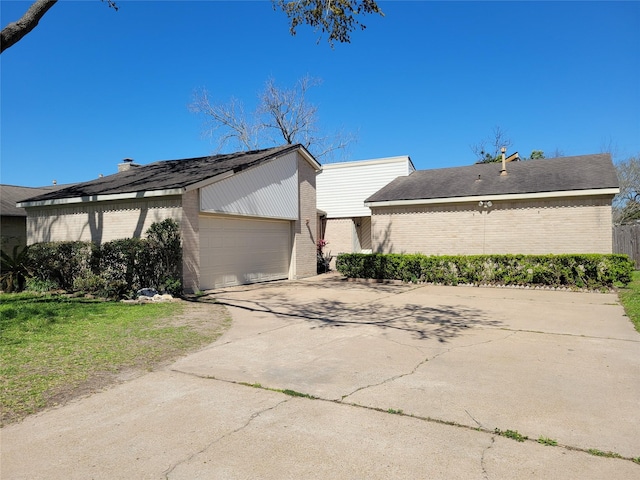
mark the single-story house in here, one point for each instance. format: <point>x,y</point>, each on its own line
<point>13,220</point>
<point>546,206</point>
<point>244,217</point>
<point>345,221</point>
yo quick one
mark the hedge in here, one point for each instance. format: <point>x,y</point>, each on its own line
<point>114,269</point>
<point>592,271</point>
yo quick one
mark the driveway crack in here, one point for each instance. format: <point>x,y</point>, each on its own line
<point>422,362</point>
<point>167,473</point>
<point>485,473</point>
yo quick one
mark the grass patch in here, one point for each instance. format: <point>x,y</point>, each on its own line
<point>547,441</point>
<point>630,299</point>
<point>512,434</point>
<point>600,453</point>
<point>53,348</point>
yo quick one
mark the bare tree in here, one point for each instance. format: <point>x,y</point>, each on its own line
<point>488,150</point>
<point>226,122</point>
<point>282,116</point>
<point>337,18</point>
<point>626,204</point>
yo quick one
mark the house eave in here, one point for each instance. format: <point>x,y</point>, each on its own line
<point>494,198</point>
<point>310,159</point>
<point>102,198</point>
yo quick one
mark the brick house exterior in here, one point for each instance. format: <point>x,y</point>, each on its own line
<point>274,187</point>
<point>542,206</point>
<point>345,221</point>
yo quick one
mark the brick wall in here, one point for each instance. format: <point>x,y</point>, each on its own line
<point>304,241</point>
<point>339,233</point>
<point>190,232</point>
<point>577,225</point>
<point>99,222</point>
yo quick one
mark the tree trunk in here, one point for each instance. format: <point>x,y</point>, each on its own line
<point>13,33</point>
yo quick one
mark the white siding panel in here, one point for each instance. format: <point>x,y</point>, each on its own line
<point>342,188</point>
<point>269,190</point>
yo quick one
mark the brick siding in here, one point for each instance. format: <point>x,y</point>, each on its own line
<point>304,250</point>
<point>571,225</point>
<point>99,222</point>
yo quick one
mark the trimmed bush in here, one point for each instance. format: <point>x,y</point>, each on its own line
<point>591,271</point>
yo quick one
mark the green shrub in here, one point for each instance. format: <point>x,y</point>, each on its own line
<point>62,262</point>
<point>574,271</point>
<point>115,269</point>
<point>14,270</point>
<point>41,286</point>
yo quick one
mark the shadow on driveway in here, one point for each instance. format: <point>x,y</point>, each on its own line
<point>442,322</point>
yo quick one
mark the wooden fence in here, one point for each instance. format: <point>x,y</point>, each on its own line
<point>626,239</point>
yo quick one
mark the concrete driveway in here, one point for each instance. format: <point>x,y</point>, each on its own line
<point>384,381</point>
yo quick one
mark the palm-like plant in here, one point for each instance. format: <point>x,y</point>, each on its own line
<point>14,270</point>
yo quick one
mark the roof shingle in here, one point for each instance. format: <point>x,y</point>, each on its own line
<point>166,175</point>
<point>583,172</point>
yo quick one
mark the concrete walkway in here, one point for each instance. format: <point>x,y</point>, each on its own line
<point>407,382</point>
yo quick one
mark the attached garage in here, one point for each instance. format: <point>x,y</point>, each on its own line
<point>240,250</point>
<point>244,217</point>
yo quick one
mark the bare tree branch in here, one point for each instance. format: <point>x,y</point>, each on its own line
<point>488,149</point>
<point>226,122</point>
<point>282,115</point>
<point>15,31</point>
<point>626,204</point>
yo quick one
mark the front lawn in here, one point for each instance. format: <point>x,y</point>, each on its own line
<point>630,298</point>
<point>53,348</point>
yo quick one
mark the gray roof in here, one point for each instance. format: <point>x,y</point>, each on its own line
<point>12,194</point>
<point>167,174</point>
<point>585,172</point>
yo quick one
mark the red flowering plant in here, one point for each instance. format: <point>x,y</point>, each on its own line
<point>323,260</point>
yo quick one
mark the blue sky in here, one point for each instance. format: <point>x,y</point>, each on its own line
<point>91,86</point>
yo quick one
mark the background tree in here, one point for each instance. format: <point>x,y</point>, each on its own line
<point>536,155</point>
<point>336,18</point>
<point>626,205</point>
<point>488,150</point>
<point>283,116</point>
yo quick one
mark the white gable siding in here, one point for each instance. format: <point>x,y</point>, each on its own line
<point>269,190</point>
<point>342,188</point>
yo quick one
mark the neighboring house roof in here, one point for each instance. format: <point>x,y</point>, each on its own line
<point>12,194</point>
<point>169,177</point>
<point>579,175</point>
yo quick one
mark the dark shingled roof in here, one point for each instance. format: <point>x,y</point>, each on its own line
<point>165,175</point>
<point>583,172</point>
<point>11,194</point>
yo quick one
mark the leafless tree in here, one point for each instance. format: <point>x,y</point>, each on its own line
<point>488,150</point>
<point>227,122</point>
<point>626,205</point>
<point>282,116</point>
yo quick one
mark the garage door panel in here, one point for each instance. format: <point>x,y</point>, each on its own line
<point>237,250</point>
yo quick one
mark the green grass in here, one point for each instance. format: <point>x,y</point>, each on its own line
<point>630,298</point>
<point>53,347</point>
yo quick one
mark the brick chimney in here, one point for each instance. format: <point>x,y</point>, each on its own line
<point>127,164</point>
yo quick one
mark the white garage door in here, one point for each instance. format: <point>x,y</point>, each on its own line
<point>237,250</point>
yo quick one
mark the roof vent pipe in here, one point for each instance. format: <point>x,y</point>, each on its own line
<point>503,172</point>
